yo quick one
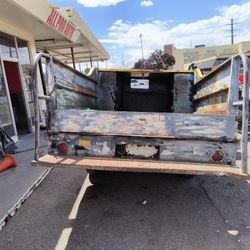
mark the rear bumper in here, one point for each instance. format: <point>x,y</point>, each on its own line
<point>129,165</point>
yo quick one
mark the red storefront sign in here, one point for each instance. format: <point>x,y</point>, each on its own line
<point>59,23</point>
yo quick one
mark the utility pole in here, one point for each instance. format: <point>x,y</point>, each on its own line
<point>142,54</point>
<point>122,61</point>
<point>232,29</point>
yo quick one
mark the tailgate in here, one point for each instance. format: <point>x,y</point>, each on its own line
<point>144,124</point>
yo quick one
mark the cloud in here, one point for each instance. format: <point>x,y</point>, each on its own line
<point>147,3</point>
<point>212,31</point>
<point>99,3</point>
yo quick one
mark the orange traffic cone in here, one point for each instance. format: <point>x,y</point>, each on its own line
<point>8,161</point>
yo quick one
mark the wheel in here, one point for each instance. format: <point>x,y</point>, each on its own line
<point>187,176</point>
<point>97,177</point>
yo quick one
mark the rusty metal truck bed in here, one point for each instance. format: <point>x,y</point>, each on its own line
<point>164,121</point>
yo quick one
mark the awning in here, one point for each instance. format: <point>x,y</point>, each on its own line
<point>61,31</point>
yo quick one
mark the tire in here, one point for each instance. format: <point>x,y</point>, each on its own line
<point>98,177</point>
<point>187,176</point>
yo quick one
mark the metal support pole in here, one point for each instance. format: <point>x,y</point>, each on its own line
<point>36,104</point>
<point>233,93</point>
<point>245,115</point>
<point>239,61</point>
<point>73,57</point>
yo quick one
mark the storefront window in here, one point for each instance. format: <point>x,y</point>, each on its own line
<point>5,115</point>
<point>24,58</point>
<point>7,46</point>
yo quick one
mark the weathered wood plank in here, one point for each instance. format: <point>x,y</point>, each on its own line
<point>162,125</point>
<point>68,100</point>
<point>73,89</point>
<point>220,108</point>
<point>77,89</point>
<point>140,166</point>
<point>212,89</point>
<point>90,76</point>
<point>66,76</point>
<point>211,92</point>
<point>214,103</point>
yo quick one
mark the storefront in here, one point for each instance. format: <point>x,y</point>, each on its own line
<point>16,102</point>
<point>25,28</point>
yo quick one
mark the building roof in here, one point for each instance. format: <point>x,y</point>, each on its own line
<point>54,29</point>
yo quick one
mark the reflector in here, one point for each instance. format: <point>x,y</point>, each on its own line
<point>217,155</point>
<point>62,148</point>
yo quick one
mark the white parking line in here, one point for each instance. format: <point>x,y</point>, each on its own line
<point>64,238</point>
<point>78,200</point>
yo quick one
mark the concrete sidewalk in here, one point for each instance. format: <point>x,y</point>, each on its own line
<point>16,184</point>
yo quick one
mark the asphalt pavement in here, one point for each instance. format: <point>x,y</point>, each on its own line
<point>132,211</point>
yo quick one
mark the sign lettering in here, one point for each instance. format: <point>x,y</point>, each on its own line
<point>59,23</point>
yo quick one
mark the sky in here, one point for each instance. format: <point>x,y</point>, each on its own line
<point>117,24</point>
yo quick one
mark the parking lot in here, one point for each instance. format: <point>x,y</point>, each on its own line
<point>132,211</point>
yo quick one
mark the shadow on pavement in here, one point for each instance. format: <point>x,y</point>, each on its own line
<point>132,211</point>
<point>152,211</point>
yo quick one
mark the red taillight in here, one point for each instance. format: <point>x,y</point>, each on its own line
<point>241,78</point>
<point>217,155</point>
<point>62,148</point>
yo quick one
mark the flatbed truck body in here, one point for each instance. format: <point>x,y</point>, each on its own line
<point>146,121</point>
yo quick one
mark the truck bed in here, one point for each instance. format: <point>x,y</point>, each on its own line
<point>162,121</point>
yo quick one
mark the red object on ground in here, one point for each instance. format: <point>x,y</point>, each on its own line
<point>7,162</point>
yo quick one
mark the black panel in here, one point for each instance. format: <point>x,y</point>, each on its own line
<point>158,98</point>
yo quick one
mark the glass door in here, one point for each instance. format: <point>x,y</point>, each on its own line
<point>6,114</point>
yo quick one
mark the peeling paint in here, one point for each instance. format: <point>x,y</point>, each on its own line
<point>141,150</point>
<point>105,148</point>
<point>165,149</point>
<point>144,124</point>
<point>211,95</point>
<point>178,136</point>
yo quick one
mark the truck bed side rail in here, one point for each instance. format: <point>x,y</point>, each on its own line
<point>218,93</point>
<point>48,75</point>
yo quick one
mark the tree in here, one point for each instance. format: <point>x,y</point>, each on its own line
<point>156,61</point>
